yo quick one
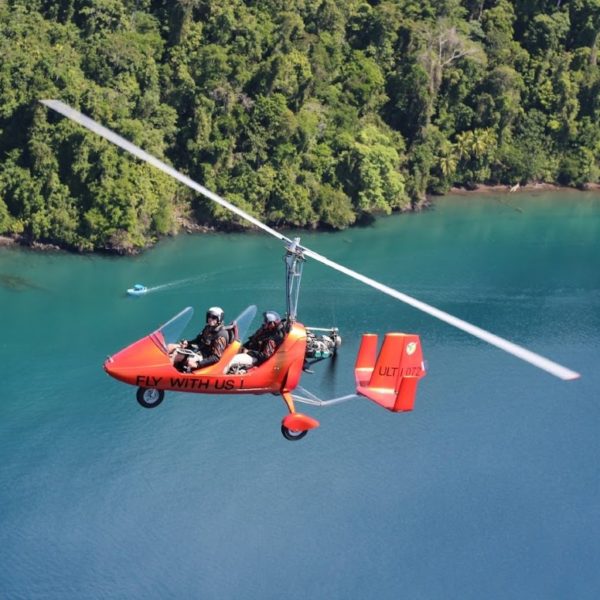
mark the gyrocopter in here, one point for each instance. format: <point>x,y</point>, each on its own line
<point>389,377</point>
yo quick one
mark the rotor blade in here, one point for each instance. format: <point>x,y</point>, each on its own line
<point>518,351</point>
<point>111,136</point>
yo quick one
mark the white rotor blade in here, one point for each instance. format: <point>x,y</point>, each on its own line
<point>111,136</point>
<point>518,351</point>
<point>486,336</point>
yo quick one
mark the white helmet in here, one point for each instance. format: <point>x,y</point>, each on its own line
<point>271,317</point>
<point>216,312</point>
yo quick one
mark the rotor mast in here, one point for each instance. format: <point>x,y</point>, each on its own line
<point>294,263</point>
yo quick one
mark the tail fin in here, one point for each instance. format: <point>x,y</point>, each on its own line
<point>391,379</point>
<point>365,359</point>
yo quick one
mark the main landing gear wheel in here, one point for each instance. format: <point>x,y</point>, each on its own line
<point>292,434</point>
<point>150,397</point>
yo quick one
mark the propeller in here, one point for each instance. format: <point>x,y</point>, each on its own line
<point>527,355</point>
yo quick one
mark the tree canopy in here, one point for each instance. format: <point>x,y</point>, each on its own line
<point>303,113</point>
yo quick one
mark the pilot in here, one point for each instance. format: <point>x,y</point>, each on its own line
<point>261,345</point>
<point>207,346</point>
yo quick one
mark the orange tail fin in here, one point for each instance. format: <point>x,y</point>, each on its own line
<point>391,379</point>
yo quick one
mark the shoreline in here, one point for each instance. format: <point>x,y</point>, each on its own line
<point>188,227</point>
<point>539,186</point>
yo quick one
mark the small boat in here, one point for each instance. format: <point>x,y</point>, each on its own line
<point>137,290</point>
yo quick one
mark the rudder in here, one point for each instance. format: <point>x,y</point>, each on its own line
<point>395,374</point>
<point>365,359</point>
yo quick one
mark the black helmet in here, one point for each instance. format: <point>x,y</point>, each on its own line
<point>271,317</point>
<point>216,312</point>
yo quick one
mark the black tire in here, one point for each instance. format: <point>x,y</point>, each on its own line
<point>291,434</point>
<point>150,397</point>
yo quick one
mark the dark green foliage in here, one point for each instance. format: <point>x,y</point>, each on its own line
<point>301,113</point>
<point>57,183</point>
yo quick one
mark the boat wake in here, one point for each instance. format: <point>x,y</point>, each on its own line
<point>175,284</point>
<point>180,283</point>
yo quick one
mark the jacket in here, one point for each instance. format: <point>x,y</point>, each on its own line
<point>211,343</point>
<point>262,344</point>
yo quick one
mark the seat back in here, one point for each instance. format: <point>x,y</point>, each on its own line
<point>232,332</point>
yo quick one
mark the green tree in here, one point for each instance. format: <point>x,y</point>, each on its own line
<point>371,171</point>
<point>302,113</point>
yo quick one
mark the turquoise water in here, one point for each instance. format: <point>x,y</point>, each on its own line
<point>489,489</point>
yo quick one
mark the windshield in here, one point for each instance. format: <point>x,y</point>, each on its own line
<point>171,331</point>
<point>244,320</point>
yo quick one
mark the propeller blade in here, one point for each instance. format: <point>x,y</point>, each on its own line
<point>518,351</point>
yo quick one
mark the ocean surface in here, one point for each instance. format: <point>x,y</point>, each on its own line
<point>490,488</point>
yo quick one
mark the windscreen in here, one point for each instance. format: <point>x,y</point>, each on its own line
<point>244,320</point>
<point>171,331</point>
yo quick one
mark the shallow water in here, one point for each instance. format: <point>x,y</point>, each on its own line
<point>490,488</point>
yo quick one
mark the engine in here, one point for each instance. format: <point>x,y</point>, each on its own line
<point>321,345</point>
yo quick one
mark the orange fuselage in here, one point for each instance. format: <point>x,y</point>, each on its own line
<point>146,364</point>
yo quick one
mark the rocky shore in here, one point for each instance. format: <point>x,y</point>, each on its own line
<point>536,186</point>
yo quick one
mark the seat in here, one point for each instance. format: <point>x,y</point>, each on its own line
<point>232,332</point>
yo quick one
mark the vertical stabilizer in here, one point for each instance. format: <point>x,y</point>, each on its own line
<point>365,359</point>
<point>395,374</point>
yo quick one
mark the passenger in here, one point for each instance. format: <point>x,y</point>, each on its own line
<point>261,345</point>
<point>207,346</point>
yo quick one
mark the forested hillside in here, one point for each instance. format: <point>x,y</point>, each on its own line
<point>302,112</point>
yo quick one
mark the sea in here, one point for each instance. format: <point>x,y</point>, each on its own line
<point>489,489</point>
